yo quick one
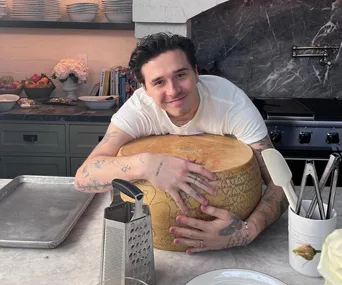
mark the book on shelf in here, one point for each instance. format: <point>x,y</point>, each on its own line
<point>119,81</point>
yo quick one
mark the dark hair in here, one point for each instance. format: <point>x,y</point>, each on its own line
<point>153,45</point>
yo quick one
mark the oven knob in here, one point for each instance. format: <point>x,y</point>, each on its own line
<point>304,137</point>
<point>333,137</point>
<point>275,136</point>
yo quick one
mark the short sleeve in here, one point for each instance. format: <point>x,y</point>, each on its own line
<point>245,121</point>
<point>132,120</point>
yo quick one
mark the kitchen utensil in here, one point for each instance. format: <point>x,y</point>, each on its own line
<point>310,169</point>
<point>332,164</point>
<point>39,211</point>
<point>332,194</point>
<point>281,175</point>
<point>127,237</point>
<point>234,276</point>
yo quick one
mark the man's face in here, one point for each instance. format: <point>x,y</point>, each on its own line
<point>171,82</point>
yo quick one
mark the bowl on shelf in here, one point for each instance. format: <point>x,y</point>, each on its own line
<point>7,101</point>
<point>99,102</point>
<point>39,94</point>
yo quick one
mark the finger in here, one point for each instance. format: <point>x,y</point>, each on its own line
<point>191,192</point>
<point>186,233</point>
<point>197,249</point>
<point>196,168</point>
<point>201,183</point>
<point>194,223</point>
<point>215,212</point>
<point>179,201</point>
<point>187,242</point>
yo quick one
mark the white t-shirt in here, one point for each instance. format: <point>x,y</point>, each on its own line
<point>224,109</point>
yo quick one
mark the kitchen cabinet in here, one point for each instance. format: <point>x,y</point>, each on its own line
<point>46,148</point>
<point>12,166</point>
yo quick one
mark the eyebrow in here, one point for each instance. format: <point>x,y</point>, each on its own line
<point>178,70</point>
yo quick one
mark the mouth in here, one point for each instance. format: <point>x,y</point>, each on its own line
<point>176,100</point>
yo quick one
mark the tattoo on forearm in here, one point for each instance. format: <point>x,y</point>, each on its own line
<point>233,227</point>
<point>85,172</point>
<point>159,167</point>
<point>92,186</point>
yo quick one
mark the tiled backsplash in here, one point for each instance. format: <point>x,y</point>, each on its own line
<point>251,45</point>
<point>24,52</point>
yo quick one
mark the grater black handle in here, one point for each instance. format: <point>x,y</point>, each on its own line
<point>128,188</point>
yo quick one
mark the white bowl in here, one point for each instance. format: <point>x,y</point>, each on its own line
<point>99,102</point>
<point>7,102</point>
<point>117,17</point>
<point>82,17</point>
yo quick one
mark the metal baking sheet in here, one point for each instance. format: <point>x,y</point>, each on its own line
<point>39,211</point>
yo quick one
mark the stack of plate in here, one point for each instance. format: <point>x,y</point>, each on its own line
<point>3,9</point>
<point>36,10</point>
<point>82,12</point>
<point>118,11</point>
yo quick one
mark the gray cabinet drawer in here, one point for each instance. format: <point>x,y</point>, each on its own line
<point>12,166</point>
<point>75,163</point>
<point>32,138</point>
<point>84,138</point>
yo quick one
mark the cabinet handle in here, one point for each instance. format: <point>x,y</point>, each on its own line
<point>100,138</point>
<point>30,138</point>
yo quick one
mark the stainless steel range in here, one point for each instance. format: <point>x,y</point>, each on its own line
<point>304,129</point>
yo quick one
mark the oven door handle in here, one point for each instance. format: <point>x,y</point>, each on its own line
<point>303,159</point>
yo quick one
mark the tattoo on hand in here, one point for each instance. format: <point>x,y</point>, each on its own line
<point>158,169</point>
<point>234,226</point>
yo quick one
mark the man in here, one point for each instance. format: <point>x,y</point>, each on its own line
<point>174,99</point>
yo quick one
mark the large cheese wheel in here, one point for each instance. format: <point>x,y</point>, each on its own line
<point>238,179</point>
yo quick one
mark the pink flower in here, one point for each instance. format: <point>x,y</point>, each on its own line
<point>67,67</point>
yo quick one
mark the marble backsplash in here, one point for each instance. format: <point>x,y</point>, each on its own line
<point>250,43</point>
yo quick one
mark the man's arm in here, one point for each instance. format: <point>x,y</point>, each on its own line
<point>102,165</point>
<point>273,203</point>
<point>171,174</point>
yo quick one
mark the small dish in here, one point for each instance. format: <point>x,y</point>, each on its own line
<point>99,102</point>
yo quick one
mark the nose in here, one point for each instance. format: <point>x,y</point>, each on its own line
<point>173,88</point>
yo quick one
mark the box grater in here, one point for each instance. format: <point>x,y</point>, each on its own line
<point>127,249</point>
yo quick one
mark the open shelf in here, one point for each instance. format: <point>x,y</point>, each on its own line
<point>66,25</point>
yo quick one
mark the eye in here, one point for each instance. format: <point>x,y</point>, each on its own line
<point>159,82</point>
<point>180,75</point>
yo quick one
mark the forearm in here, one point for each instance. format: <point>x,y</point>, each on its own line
<point>271,206</point>
<point>97,173</point>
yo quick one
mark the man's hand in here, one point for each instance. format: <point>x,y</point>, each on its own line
<point>227,230</point>
<point>172,174</point>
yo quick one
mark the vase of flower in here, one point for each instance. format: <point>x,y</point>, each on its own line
<point>70,87</point>
<point>70,72</point>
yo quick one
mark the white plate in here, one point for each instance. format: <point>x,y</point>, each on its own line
<point>234,277</point>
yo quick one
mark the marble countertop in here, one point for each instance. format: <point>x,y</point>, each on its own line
<point>77,260</point>
<point>42,112</point>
